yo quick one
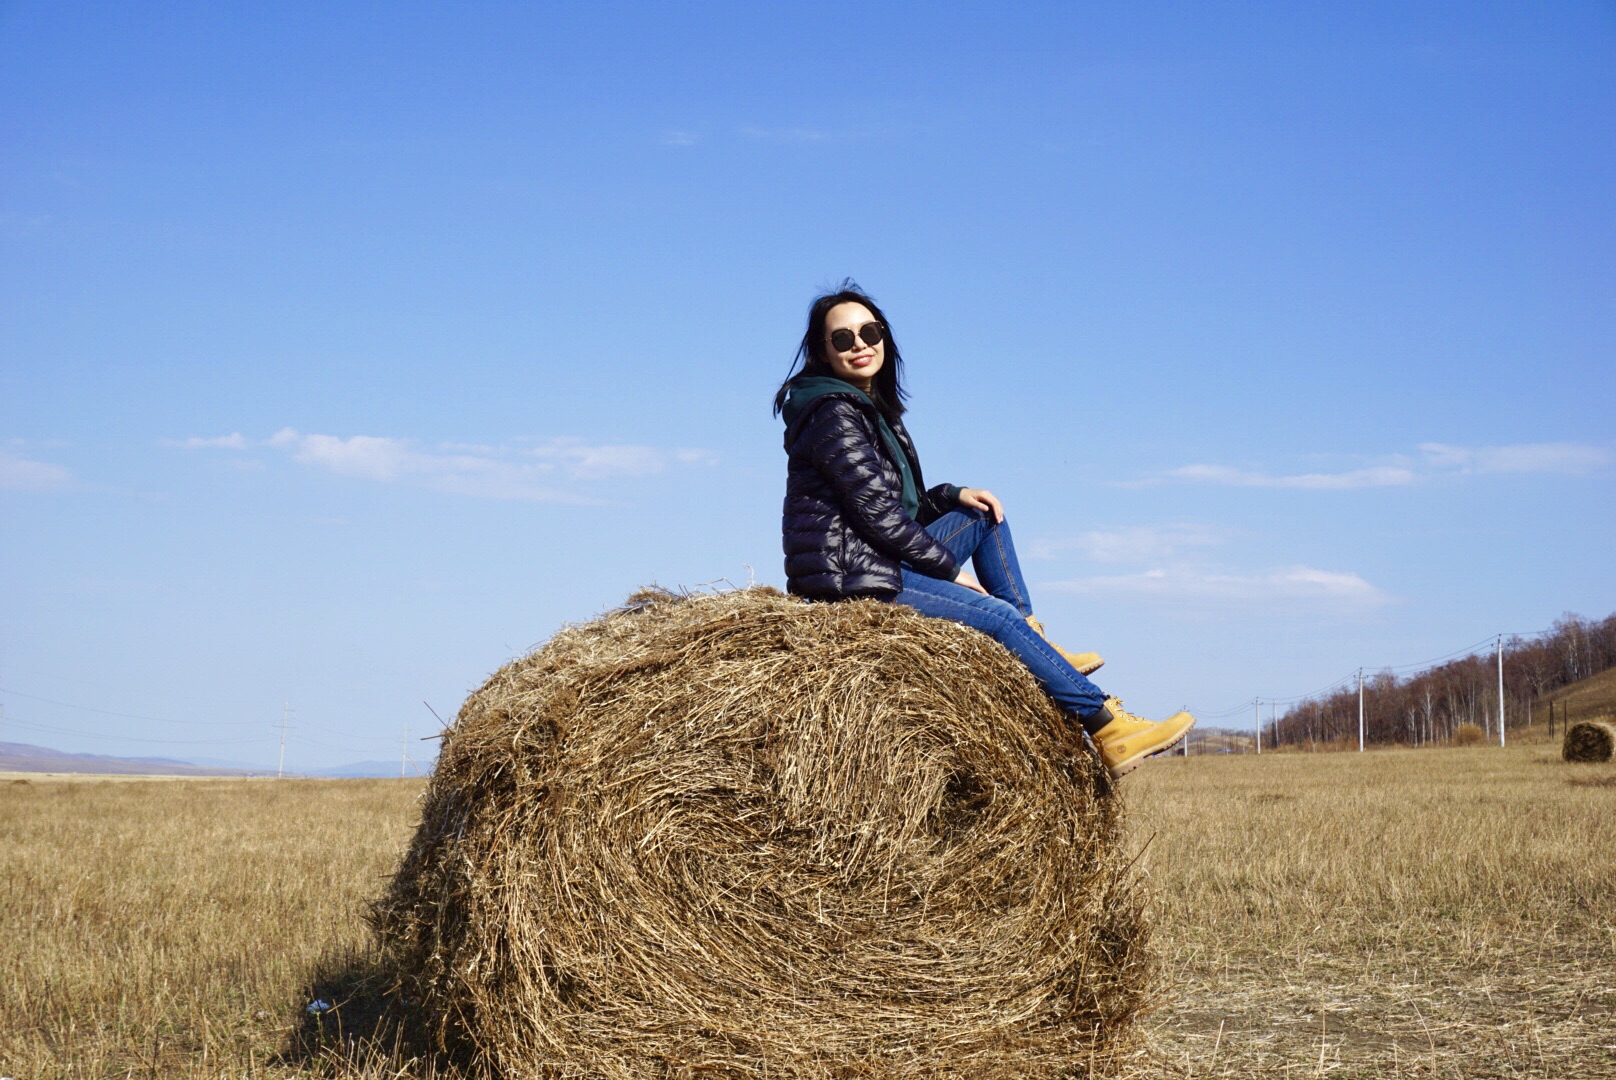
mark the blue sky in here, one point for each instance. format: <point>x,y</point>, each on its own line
<point>347,351</point>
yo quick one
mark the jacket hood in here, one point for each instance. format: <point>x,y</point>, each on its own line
<point>809,388</point>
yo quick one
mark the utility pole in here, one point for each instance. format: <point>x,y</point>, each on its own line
<point>1256,720</point>
<point>1360,710</point>
<point>1273,720</point>
<point>281,768</point>
<point>1500,691</point>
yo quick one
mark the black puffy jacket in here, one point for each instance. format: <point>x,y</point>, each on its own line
<point>844,527</point>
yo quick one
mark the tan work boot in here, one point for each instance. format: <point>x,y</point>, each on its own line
<point>1085,662</point>
<point>1125,740</point>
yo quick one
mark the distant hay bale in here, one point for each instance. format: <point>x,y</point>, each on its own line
<point>1590,740</point>
<point>738,835</point>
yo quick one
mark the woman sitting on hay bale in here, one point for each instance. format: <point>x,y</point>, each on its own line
<point>859,521</point>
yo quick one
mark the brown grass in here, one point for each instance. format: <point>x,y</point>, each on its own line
<point>1399,913</point>
<point>740,836</point>
<point>174,928</point>
<point>1396,914</point>
<point>1589,699</point>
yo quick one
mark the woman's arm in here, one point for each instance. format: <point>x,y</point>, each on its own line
<point>844,453</point>
<point>937,501</point>
<point>982,499</point>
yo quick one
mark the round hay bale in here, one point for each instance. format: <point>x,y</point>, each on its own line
<point>1589,740</point>
<point>739,835</point>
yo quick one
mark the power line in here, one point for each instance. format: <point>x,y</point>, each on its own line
<point>286,728</point>
<point>106,712</point>
<point>1355,675</point>
<point>1468,650</point>
<point>1281,701</point>
<point>1342,681</point>
<point>236,740</point>
<point>280,765</point>
<point>1472,649</point>
<point>1240,708</point>
<point>32,726</point>
<point>304,740</point>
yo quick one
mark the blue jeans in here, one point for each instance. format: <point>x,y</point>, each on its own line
<point>971,534</point>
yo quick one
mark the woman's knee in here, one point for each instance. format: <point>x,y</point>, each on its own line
<point>1006,618</point>
<point>986,517</point>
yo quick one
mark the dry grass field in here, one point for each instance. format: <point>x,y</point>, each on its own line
<point>1433,913</point>
<point>1398,913</point>
<point>172,928</point>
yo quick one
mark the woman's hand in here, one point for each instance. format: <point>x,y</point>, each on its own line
<point>969,581</point>
<point>983,500</point>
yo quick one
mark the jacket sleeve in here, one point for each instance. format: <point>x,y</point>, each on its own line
<point>844,452</point>
<point>937,501</point>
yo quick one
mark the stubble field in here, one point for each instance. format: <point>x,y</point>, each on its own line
<point>1433,913</point>
<point>1399,913</point>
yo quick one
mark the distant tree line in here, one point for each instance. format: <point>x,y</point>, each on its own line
<point>1429,706</point>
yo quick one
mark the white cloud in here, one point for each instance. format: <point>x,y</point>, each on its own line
<point>1139,543</point>
<point>365,457</point>
<point>1286,586</point>
<point>680,138</point>
<point>23,474</point>
<point>539,473</point>
<point>233,441</point>
<point>1377,476</point>
<point>1174,570</point>
<point>690,455</point>
<point>1574,458</point>
<point>1436,459</point>
<point>584,461</point>
<point>388,460</point>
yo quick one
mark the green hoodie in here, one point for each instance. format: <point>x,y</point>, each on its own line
<point>806,388</point>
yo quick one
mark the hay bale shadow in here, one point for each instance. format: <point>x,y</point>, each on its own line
<point>354,1019</point>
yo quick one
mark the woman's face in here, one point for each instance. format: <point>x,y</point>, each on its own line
<point>859,363</point>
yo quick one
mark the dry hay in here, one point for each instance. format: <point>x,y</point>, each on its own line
<point>737,835</point>
<point>1589,740</point>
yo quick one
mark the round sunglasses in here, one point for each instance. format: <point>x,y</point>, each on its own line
<point>870,333</point>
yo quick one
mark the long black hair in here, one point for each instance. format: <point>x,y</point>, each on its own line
<point>886,389</point>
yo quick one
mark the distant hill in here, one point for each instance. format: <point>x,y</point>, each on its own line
<point>378,769</point>
<point>23,757</point>
<point>1593,697</point>
<point>1219,740</point>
